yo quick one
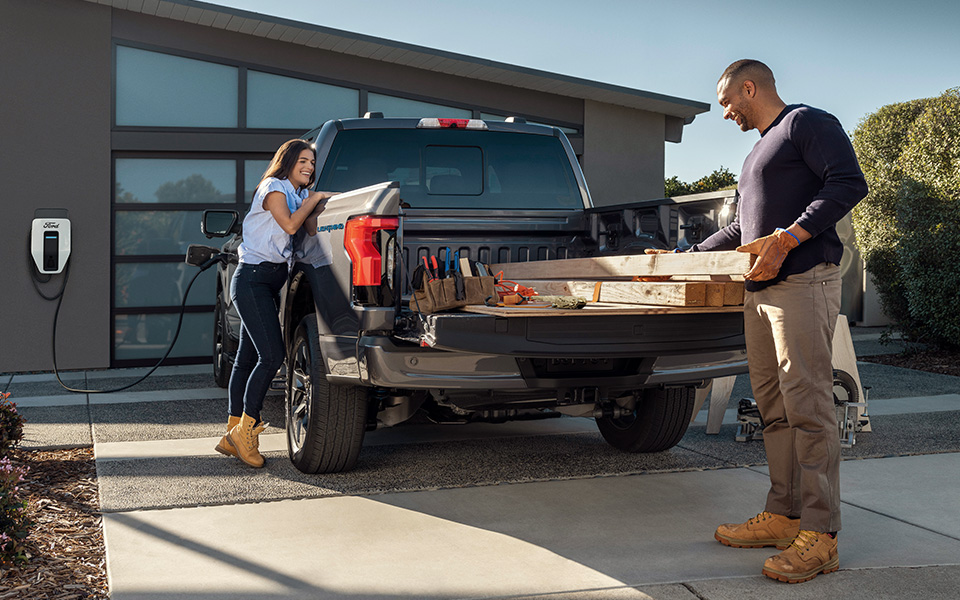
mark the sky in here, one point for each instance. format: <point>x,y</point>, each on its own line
<point>848,57</point>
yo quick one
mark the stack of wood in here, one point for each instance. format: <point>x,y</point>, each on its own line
<point>681,282</point>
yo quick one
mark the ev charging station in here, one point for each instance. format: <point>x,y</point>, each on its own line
<point>50,240</point>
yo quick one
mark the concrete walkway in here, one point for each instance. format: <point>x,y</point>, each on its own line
<point>533,510</point>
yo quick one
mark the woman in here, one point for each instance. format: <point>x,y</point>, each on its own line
<point>281,206</point>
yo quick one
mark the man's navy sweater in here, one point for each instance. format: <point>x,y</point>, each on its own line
<point>802,170</point>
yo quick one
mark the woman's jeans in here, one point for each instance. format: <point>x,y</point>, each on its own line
<point>255,291</point>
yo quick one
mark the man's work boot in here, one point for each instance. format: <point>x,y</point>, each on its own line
<point>224,446</point>
<point>809,555</point>
<point>245,438</point>
<point>765,529</point>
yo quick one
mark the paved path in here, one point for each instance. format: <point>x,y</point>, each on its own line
<point>535,510</point>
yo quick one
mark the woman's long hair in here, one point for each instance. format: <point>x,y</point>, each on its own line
<point>286,159</point>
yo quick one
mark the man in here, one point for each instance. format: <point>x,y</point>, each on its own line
<point>800,178</point>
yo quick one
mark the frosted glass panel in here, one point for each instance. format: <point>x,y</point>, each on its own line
<point>161,90</point>
<point>391,106</point>
<point>147,336</point>
<point>162,284</point>
<point>277,102</point>
<point>153,232</point>
<point>176,181</point>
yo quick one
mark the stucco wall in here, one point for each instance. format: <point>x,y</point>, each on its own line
<point>55,119</point>
<point>622,153</point>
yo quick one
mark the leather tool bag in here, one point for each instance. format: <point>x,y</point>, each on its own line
<point>436,295</point>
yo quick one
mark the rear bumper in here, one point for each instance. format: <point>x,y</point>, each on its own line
<point>386,364</point>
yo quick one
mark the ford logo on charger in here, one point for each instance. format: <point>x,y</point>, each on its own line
<point>328,228</point>
<point>51,225</point>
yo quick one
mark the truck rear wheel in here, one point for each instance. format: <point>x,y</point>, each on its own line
<point>659,421</point>
<point>325,422</point>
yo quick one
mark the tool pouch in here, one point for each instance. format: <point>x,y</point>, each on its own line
<point>441,294</point>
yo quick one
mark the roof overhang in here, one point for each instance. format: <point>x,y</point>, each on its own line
<point>410,55</point>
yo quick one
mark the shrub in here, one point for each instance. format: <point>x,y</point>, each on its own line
<point>11,424</point>
<point>908,226</point>
<point>720,179</point>
<point>14,524</point>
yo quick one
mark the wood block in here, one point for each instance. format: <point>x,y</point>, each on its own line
<point>714,294</point>
<point>732,293</point>
<point>668,293</point>
<point>606,267</point>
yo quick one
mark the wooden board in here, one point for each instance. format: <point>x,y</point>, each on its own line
<point>666,293</point>
<point>596,309</point>
<point>730,263</point>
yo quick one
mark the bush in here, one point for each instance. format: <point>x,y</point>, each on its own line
<point>720,179</point>
<point>11,424</point>
<point>908,226</point>
<point>14,524</point>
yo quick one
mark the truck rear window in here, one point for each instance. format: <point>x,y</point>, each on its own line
<point>455,168</point>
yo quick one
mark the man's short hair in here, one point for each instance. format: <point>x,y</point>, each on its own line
<point>754,70</point>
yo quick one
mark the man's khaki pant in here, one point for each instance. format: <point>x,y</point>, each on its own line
<point>789,333</point>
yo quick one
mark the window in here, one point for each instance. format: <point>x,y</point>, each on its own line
<point>392,106</point>
<point>161,90</point>
<point>175,181</point>
<point>278,102</point>
<point>453,170</point>
<point>450,169</point>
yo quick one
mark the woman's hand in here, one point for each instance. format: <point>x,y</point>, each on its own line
<point>318,200</point>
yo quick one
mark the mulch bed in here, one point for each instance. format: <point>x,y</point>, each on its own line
<point>65,545</point>
<point>945,362</point>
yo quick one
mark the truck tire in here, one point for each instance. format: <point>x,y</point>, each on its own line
<point>325,422</point>
<point>659,421</point>
<point>221,349</point>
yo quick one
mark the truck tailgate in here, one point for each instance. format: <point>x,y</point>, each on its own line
<point>598,331</point>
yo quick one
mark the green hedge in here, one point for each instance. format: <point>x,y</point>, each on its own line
<point>908,226</point>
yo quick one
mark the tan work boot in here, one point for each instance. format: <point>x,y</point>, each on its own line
<point>224,446</point>
<point>765,529</point>
<point>245,439</point>
<point>809,555</point>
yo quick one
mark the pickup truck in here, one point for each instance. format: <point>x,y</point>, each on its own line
<point>495,192</point>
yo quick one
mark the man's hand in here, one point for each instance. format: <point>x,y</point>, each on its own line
<point>770,251</point>
<point>658,251</point>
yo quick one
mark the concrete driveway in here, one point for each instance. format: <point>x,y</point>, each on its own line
<point>538,509</point>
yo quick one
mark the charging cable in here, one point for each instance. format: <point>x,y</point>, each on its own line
<point>214,259</point>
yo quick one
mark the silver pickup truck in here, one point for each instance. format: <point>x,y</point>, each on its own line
<point>490,192</point>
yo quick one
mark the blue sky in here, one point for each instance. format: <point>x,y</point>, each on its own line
<point>847,57</point>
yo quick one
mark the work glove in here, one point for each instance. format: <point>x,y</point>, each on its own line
<point>770,251</point>
<point>659,251</point>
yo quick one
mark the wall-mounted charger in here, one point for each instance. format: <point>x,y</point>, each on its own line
<point>50,239</point>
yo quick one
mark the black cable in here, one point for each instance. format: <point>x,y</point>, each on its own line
<point>56,315</point>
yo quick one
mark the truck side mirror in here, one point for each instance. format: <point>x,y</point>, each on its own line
<point>219,223</point>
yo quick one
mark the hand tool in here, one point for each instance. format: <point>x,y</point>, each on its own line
<point>465,265</point>
<point>481,270</point>
<point>436,267</point>
<point>446,262</point>
<point>429,271</point>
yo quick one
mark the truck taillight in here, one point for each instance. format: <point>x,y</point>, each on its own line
<point>451,124</point>
<point>359,238</point>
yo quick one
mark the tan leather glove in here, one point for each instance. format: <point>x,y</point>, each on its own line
<point>770,251</point>
<point>658,251</point>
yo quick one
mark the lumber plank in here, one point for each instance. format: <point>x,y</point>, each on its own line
<point>714,294</point>
<point>604,267</point>
<point>595,309</point>
<point>668,293</point>
<point>732,293</point>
